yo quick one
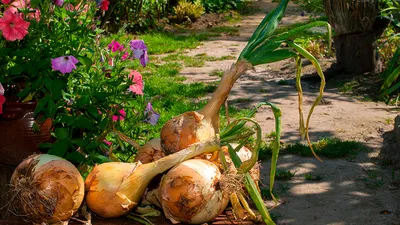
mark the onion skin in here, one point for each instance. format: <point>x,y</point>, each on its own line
<point>190,192</point>
<point>191,127</point>
<point>48,189</point>
<point>150,152</point>
<point>115,188</point>
<point>184,130</point>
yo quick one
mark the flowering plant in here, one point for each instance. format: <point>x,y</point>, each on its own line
<point>51,53</point>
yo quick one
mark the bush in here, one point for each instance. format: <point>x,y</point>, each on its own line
<point>185,11</point>
<point>220,5</point>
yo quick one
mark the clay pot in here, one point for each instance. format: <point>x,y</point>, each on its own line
<point>17,139</point>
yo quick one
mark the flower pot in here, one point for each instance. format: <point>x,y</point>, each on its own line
<point>17,139</point>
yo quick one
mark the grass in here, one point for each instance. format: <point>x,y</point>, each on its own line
<point>193,61</point>
<point>218,73</point>
<point>284,174</point>
<point>232,31</point>
<point>312,177</point>
<point>328,147</point>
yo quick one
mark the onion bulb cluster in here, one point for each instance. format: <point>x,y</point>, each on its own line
<point>46,189</point>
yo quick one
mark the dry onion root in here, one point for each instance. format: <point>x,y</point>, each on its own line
<point>46,189</point>
<point>114,189</point>
<point>192,127</point>
<point>190,192</point>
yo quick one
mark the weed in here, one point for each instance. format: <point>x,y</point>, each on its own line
<point>329,147</point>
<point>283,82</point>
<point>271,135</point>
<point>284,174</point>
<point>347,87</point>
<point>264,90</point>
<point>312,177</point>
<point>266,195</point>
<point>218,73</point>
<point>233,31</point>
<point>265,151</point>
<point>389,121</point>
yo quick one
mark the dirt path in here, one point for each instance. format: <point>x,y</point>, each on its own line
<point>355,192</point>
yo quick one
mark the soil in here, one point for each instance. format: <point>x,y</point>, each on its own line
<point>361,190</point>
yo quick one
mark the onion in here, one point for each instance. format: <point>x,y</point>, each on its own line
<point>150,152</point>
<point>190,192</point>
<point>192,127</point>
<point>114,188</point>
<point>46,189</point>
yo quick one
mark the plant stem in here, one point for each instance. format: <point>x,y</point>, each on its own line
<point>211,110</point>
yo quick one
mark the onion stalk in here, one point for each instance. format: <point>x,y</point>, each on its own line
<point>191,127</point>
<point>46,189</point>
<point>114,188</point>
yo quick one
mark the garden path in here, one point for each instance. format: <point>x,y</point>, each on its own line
<point>355,191</point>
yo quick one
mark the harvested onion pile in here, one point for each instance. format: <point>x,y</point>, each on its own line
<point>46,189</point>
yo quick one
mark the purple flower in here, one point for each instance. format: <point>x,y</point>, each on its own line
<point>140,51</point>
<point>59,2</point>
<point>152,116</point>
<point>115,46</point>
<point>64,64</point>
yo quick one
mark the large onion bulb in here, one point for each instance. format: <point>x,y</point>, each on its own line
<point>114,188</point>
<point>190,192</point>
<point>47,189</point>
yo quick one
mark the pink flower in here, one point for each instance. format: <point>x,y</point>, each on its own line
<point>107,142</point>
<point>64,64</point>
<point>13,26</point>
<point>2,100</point>
<point>140,51</point>
<point>115,46</point>
<point>59,2</point>
<point>151,115</point>
<point>6,2</point>
<point>125,56</point>
<point>24,4</point>
<point>120,115</point>
<point>104,5</point>
<point>136,78</point>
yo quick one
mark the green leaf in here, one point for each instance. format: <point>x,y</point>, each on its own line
<point>34,3</point>
<point>93,111</point>
<point>101,96</point>
<point>80,142</point>
<point>260,57</point>
<point>92,145</point>
<point>85,61</point>
<point>41,104</point>
<point>82,101</point>
<point>60,147</point>
<point>22,94</point>
<point>4,51</point>
<point>391,78</point>
<point>51,108</point>
<point>56,88</point>
<point>61,133</point>
<point>100,158</point>
<point>16,70</point>
<point>45,145</point>
<point>265,29</point>
<point>75,157</point>
<point>83,122</point>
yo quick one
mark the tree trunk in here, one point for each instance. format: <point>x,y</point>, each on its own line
<point>355,53</point>
<point>356,27</point>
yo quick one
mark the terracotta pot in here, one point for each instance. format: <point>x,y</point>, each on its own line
<point>17,139</point>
